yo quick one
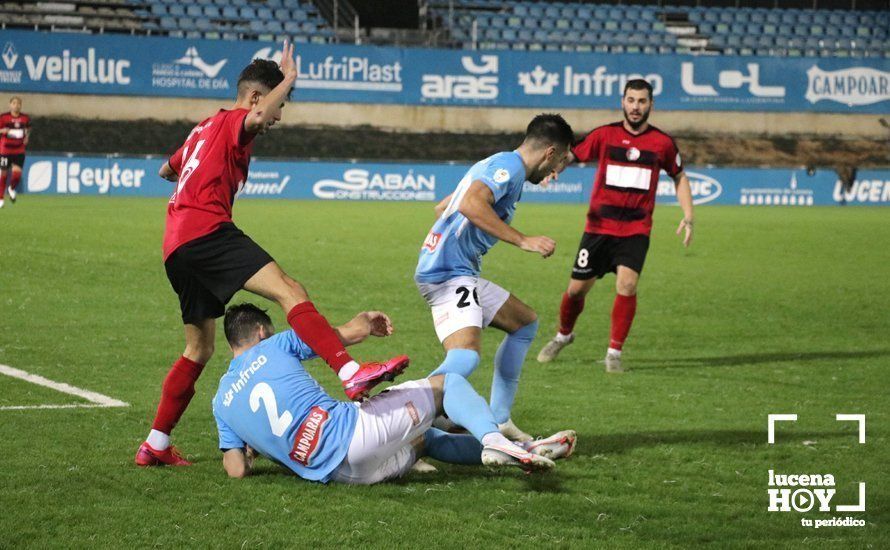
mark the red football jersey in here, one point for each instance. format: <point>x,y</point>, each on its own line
<point>212,167</point>
<point>13,141</point>
<point>623,196</point>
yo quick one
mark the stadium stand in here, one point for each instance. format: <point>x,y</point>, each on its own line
<point>297,20</point>
<point>577,27</point>
<point>492,25</point>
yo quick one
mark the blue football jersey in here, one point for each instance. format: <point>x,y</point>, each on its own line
<point>267,400</point>
<point>454,247</point>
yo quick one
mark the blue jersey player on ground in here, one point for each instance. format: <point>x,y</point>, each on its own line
<point>471,220</point>
<point>268,404</point>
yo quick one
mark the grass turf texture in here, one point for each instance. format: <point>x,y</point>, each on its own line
<point>773,310</point>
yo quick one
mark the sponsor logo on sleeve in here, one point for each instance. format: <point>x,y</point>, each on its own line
<point>855,86</point>
<point>432,240</point>
<point>501,176</point>
<point>308,435</point>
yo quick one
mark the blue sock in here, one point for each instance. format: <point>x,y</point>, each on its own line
<point>467,408</point>
<point>507,367</point>
<point>460,361</point>
<point>452,448</point>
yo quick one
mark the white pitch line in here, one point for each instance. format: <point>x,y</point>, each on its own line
<point>96,399</point>
<point>69,406</point>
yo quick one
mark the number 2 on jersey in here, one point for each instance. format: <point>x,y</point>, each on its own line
<point>263,391</point>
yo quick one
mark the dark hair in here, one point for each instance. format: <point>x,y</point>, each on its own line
<point>550,129</point>
<point>637,84</point>
<point>241,322</point>
<point>260,71</point>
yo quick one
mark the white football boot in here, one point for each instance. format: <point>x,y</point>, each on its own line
<point>613,361</point>
<point>513,455</point>
<point>423,467</point>
<point>559,445</point>
<point>12,194</point>
<point>554,346</point>
<point>513,433</point>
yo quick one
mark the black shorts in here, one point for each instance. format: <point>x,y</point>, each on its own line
<point>209,270</point>
<point>601,254</point>
<point>12,160</point>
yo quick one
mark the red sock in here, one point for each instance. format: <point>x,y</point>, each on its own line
<point>2,184</point>
<point>312,328</point>
<point>569,310</point>
<point>622,317</point>
<point>177,391</point>
<point>16,177</point>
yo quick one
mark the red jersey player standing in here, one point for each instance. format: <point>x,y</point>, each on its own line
<point>15,128</point>
<point>208,259</point>
<point>629,156</point>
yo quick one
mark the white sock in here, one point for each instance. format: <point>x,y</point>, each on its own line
<point>158,440</point>
<point>495,438</point>
<point>563,338</point>
<point>348,370</point>
<point>615,352</point>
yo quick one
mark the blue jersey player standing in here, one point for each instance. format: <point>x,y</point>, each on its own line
<point>268,404</point>
<point>471,220</point>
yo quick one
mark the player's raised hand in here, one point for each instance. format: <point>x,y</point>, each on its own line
<point>685,224</point>
<point>379,323</point>
<point>554,175</point>
<point>288,64</point>
<point>545,246</point>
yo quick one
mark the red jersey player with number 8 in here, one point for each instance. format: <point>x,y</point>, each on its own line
<point>208,259</point>
<point>630,155</point>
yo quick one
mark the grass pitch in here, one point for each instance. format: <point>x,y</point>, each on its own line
<point>773,310</point>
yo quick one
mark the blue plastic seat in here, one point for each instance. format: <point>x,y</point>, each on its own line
<point>230,12</point>
<point>158,9</point>
<point>176,10</point>
<point>194,11</point>
<point>247,12</point>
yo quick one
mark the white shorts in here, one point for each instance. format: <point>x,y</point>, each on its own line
<point>462,302</point>
<point>387,424</point>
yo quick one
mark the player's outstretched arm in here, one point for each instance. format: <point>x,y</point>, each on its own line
<point>443,204</point>
<point>237,463</point>
<point>270,105</point>
<point>477,207</point>
<point>366,323</point>
<point>168,173</point>
<point>684,197</point>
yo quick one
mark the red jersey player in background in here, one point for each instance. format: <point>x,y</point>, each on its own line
<point>15,128</point>
<point>208,259</point>
<point>629,156</point>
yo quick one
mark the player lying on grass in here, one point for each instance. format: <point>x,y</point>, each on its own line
<point>208,259</point>
<point>470,221</point>
<point>268,403</point>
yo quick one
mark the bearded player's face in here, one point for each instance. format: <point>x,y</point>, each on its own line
<point>636,105</point>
